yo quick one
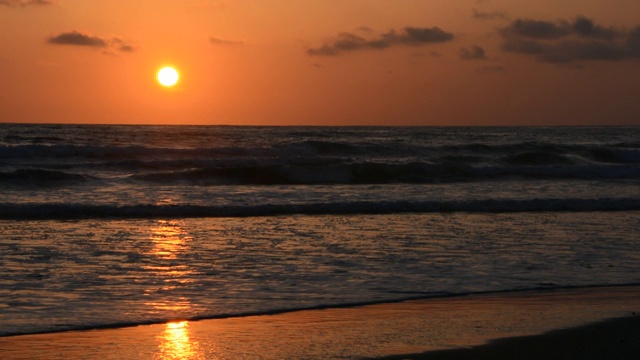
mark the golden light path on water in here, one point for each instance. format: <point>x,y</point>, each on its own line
<point>170,240</point>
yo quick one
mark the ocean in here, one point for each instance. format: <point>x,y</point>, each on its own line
<point>106,225</point>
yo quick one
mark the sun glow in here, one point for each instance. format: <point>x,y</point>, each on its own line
<point>168,76</point>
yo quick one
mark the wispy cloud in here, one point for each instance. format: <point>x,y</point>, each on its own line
<point>21,3</point>
<point>472,53</point>
<point>220,41</point>
<point>75,38</point>
<point>570,41</point>
<point>412,36</point>
<point>121,45</point>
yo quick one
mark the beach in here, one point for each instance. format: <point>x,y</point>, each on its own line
<point>495,325</point>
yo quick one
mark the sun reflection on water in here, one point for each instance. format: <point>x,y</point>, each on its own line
<point>175,343</point>
<point>169,239</point>
<point>170,271</point>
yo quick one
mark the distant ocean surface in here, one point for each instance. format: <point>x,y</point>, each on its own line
<point>123,225</point>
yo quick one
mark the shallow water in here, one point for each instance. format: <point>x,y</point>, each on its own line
<point>77,274</point>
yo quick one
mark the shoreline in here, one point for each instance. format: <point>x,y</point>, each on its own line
<point>421,328</point>
<point>329,307</point>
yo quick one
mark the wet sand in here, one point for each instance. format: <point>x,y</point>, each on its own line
<point>609,339</point>
<point>495,326</point>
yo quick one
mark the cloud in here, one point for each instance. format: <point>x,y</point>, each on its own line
<point>489,15</point>
<point>570,41</point>
<point>127,48</point>
<point>473,53</point>
<point>121,45</point>
<point>536,29</point>
<point>412,36</point>
<point>21,3</point>
<point>633,41</point>
<point>75,38</point>
<point>219,41</point>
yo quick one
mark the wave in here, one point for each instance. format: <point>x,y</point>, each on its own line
<point>62,211</point>
<point>402,297</point>
<point>308,156</point>
<point>379,173</point>
<point>321,171</point>
<point>524,152</point>
<point>39,177</point>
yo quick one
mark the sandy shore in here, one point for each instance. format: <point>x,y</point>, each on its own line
<point>494,326</point>
<point>610,339</point>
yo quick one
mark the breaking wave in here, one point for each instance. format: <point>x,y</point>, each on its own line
<point>320,162</point>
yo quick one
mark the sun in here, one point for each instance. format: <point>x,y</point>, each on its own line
<point>168,76</point>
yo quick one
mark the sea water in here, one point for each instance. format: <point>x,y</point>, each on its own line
<point>122,225</point>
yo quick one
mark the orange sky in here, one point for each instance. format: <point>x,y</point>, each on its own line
<point>321,62</point>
